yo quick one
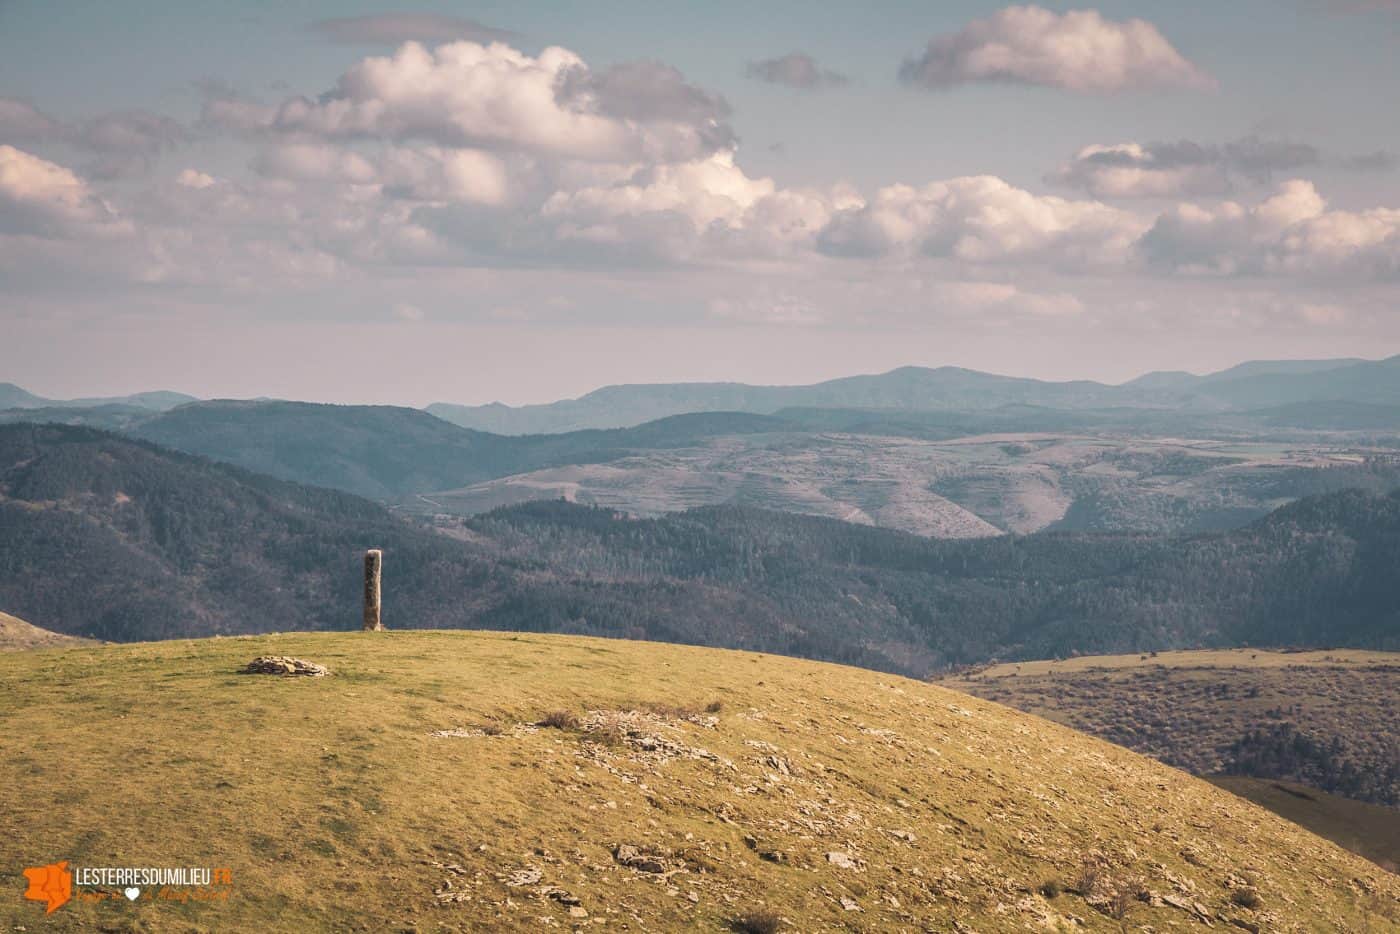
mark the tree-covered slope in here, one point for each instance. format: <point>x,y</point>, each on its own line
<point>106,537</point>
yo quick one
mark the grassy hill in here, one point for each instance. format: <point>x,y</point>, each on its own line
<point>17,635</point>
<point>477,781</point>
<point>1371,830</point>
<point>1330,719</point>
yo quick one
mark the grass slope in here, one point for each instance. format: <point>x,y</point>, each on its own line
<point>836,798</point>
<point>1371,830</point>
<point>17,635</point>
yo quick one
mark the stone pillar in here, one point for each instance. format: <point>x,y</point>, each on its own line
<point>374,564</point>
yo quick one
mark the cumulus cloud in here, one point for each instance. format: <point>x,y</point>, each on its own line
<point>396,28</point>
<point>128,143</point>
<point>1178,169</point>
<point>1290,233</point>
<point>21,121</point>
<point>796,70</point>
<point>982,219</point>
<point>1079,51</point>
<point>311,162</point>
<point>41,198</point>
<point>124,143</point>
<point>497,98</point>
<point>663,213</point>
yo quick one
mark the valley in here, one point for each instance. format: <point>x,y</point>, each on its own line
<point>965,487</point>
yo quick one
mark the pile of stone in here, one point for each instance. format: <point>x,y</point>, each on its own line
<point>284,665</point>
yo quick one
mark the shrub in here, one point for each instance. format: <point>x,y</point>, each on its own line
<point>757,921</point>
<point>1051,888</point>
<point>560,720</point>
<point>1090,878</point>
<point>1246,898</point>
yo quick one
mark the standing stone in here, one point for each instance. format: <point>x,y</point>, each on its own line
<point>374,565</point>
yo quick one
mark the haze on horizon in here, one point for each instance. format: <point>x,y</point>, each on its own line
<point>407,203</point>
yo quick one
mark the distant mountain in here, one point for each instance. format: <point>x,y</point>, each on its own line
<point>1372,382</point>
<point>1250,385</point>
<point>907,388</point>
<point>13,397</point>
<point>107,537</point>
<point>387,452</point>
<point>1254,368</point>
<point>106,417</point>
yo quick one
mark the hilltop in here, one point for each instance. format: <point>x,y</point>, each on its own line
<point>473,781</point>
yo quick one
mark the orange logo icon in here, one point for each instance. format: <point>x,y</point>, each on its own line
<point>52,884</point>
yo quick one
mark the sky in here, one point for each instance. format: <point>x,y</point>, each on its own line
<point>520,202</point>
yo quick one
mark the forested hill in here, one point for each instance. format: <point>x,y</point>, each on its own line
<point>103,536</point>
<point>383,452</point>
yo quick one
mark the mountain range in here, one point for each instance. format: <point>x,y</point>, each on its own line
<point>107,537</point>
<point>13,397</point>
<point>1256,384</point>
<point>1253,385</point>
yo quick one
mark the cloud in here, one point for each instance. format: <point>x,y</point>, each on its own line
<point>796,70</point>
<point>982,219</point>
<point>125,143</point>
<point>21,121</point>
<point>1378,161</point>
<point>767,307</point>
<point>706,212</point>
<point>1178,169</point>
<point>397,28</point>
<point>1291,233</point>
<point>1079,51</point>
<point>313,162</point>
<point>494,97</point>
<point>43,199</point>
<point>193,178</point>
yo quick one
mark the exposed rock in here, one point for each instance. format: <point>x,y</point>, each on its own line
<point>527,876</point>
<point>284,665</point>
<point>633,858</point>
<point>842,860</point>
<point>562,896</point>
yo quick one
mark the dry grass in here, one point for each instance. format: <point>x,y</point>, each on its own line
<point>17,635</point>
<point>338,808</point>
<point>1371,830</point>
